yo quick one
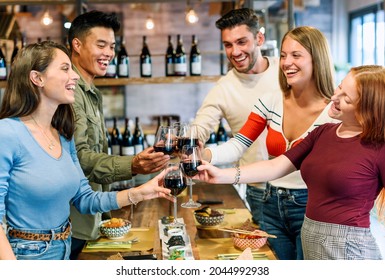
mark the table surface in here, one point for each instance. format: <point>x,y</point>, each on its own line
<point>147,213</point>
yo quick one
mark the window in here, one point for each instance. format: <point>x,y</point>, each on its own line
<point>367,36</point>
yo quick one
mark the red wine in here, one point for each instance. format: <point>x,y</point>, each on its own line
<point>190,167</point>
<point>168,150</point>
<point>182,141</point>
<point>176,184</point>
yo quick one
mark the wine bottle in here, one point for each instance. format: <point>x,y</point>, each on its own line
<point>145,60</point>
<point>180,68</point>
<point>3,66</point>
<point>221,136</point>
<point>127,144</point>
<point>195,58</point>
<point>138,137</point>
<point>115,138</point>
<point>170,57</point>
<point>109,145</point>
<point>15,49</point>
<point>212,141</point>
<point>159,124</point>
<point>111,69</point>
<point>123,61</point>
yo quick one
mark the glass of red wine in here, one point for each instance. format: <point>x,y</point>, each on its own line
<point>190,159</point>
<point>175,180</point>
<point>165,140</point>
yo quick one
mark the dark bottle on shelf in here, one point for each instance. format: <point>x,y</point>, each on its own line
<point>170,58</point>
<point>3,66</point>
<point>123,61</point>
<point>15,49</point>
<point>221,134</point>
<point>127,145</point>
<point>115,138</point>
<point>195,58</point>
<point>138,137</point>
<point>111,69</point>
<point>109,145</point>
<point>145,60</point>
<point>180,68</point>
<point>159,124</point>
<point>212,141</point>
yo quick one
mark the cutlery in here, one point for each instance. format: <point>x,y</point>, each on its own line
<point>104,243</point>
<point>241,231</point>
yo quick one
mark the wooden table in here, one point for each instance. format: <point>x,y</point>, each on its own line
<point>147,213</point>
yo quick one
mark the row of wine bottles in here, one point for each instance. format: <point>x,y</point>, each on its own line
<point>217,138</point>
<point>175,60</point>
<point>126,143</point>
<point>3,60</point>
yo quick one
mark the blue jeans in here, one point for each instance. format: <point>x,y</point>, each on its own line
<point>42,250</point>
<point>255,197</point>
<point>283,212</point>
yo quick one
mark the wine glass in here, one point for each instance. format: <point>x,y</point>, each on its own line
<point>175,180</point>
<point>191,158</point>
<point>165,140</point>
<point>187,135</point>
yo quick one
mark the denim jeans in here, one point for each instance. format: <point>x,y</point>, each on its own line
<point>42,250</point>
<point>255,198</point>
<point>283,212</point>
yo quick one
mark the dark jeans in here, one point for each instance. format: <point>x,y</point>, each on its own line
<point>76,247</point>
<point>255,198</point>
<point>282,214</point>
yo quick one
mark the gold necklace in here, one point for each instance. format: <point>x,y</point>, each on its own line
<point>50,142</point>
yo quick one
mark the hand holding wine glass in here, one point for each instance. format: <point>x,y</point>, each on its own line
<point>174,180</point>
<point>165,140</point>
<point>190,159</point>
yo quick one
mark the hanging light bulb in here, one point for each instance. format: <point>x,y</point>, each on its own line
<point>150,23</point>
<point>191,16</point>
<point>46,18</point>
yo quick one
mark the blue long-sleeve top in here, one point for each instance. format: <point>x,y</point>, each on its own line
<point>36,189</point>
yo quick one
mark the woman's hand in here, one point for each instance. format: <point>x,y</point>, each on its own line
<point>210,174</point>
<point>149,190</point>
<point>154,189</point>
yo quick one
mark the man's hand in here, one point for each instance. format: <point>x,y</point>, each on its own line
<point>148,161</point>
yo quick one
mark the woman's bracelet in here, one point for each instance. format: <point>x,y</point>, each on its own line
<point>130,199</point>
<point>237,175</point>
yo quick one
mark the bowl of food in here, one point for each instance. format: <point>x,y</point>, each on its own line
<point>254,241</point>
<point>114,228</point>
<point>209,217</point>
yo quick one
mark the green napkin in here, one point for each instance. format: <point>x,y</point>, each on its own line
<point>109,245</point>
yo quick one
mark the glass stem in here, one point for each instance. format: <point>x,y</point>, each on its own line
<point>175,209</point>
<point>190,189</point>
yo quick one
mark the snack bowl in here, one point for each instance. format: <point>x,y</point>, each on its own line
<point>114,228</point>
<point>211,220</point>
<point>243,241</point>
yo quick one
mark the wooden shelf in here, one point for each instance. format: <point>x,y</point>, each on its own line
<point>143,81</point>
<point>155,80</point>
<point>3,84</point>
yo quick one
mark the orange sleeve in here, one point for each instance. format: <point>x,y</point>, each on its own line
<point>253,127</point>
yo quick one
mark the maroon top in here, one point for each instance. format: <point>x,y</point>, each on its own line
<point>343,176</point>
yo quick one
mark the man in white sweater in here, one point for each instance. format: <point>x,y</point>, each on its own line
<point>233,96</point>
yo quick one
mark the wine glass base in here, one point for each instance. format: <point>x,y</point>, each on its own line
<point>191,204</point>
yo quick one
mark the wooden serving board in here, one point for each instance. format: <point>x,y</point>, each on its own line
<point>146,241</point>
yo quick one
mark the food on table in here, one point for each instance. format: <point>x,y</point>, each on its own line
<point>114,222</point>
<point>167,220</point>
<point>177,255</point>
<point>208,212</point>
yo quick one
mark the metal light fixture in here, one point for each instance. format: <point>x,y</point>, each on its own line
<point>191,16</point>
<point>46,18</point>
<point>150,23</point>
